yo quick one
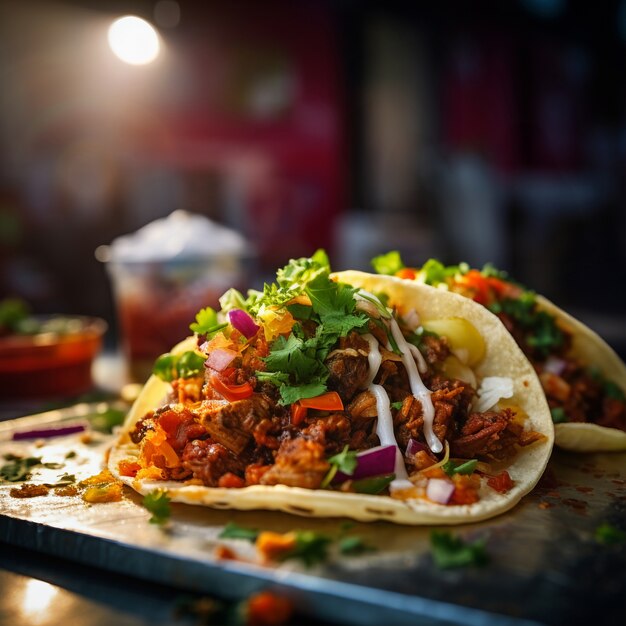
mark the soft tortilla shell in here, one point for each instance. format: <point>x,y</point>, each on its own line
<point>503,358</point>
<point>588,347</point>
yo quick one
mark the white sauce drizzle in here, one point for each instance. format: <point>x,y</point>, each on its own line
<point>384,430</point>
<point>418,389</point>
<point>422,366</point>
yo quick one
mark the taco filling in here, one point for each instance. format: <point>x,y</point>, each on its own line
<point>317,384</point>
<point>576,390</point>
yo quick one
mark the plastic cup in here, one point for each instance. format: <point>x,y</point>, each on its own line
<point>156,301</point>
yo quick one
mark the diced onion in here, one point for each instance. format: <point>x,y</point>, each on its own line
<point>554,365</point>
<point>439,490</point>
<point>220,358</point>
<point>47,433</point>
<point>413,447</point>
<point>243,323</point>
<point>492,389</point>
<point>373,462</point>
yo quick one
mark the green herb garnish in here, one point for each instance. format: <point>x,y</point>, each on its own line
<point>609,535</point>
<point>450,551</point>
<point>388,264</point>
<point>311,547</point>
<point>234,531</point>
<point>466,467</point>
<point>158,503</point>
<point>18,468</point>
<point>397,405</point>
<point>373,485</point>
<point>354,545</point>
<point>346,462</point>
<point>170,366</point>
<point>558,415</point>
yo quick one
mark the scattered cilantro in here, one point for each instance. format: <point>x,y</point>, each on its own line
<point>106,420</point>
<point>467,467</point>
<point>170,366</point>
<point>311,547</point>
<point>206,320</point>
<point>434,272</point>
<point>354,545</point>
<point>611,390</point>
<point>397,405</point>
<point>158,503</point>
<point>234,531</point>
<point>13,312</point>
<point>18,468</point>
<point>345,462</point>
<point>609,535</point>
<point>296,364</point>
<point>64,481</point>
<point>389,263</point>
<point>450,551</point>
<point>373,485</point>
<point>558,415</point>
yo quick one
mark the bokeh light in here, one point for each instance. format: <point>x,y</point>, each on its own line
<point>134,40</point>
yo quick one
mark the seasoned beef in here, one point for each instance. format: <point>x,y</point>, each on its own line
<point>180,426</point>
<point>209,461</point>
<point>142,427</point>
<point>299,463</point>
<point>435,349</point>
<point>348,366</point>
<point>332,431</point>
<point>481,434</point>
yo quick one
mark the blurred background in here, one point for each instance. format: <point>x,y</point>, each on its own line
<point>477,131</point>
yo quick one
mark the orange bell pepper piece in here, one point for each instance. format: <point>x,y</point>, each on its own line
<point>231,392</point>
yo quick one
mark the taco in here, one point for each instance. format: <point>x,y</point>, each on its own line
<point>324,396</point>
<point>584,380</point>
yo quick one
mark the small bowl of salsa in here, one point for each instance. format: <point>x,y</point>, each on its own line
<point>46,356</point>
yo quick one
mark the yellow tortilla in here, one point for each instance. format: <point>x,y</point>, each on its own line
<point>588,347</point>
<point>503,358</point>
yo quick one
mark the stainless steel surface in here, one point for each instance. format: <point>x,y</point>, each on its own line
<point>546,565</point>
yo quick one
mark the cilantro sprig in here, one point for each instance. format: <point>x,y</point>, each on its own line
<point>158,503</point>
<point>296,363</point>
<point>345,462</point>
<point>234,531</point>
<point>170,366</point>
<point>450,551</point>
<point>18,468</point>
<point>207,322</point>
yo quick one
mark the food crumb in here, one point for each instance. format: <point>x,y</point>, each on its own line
<point>29,491</point>
<point>225,553</point>
<point>68,490</point>
<point>545,505</point>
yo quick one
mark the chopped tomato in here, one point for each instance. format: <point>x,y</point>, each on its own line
<point>465,490</point>
<point>501,482</point>
<point>255,472</point>
<point>231,392</point>
<point>298,413</point>
<point>479,285</point>
<point>232,481</point>
<point>267,609</point>
<point>128,468</point>
<point>329,401</point>
<point>407,273</point>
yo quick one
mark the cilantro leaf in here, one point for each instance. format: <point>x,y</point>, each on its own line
<point>158,503</point>
<point>388,263</point>
<point>170,366</point>
<point>558,415</point>
<point>18,468</point>
<point>311,547</point>
<point>206,319</point>
<point>346,461</point>
<point>234,531</point>
<point>435,272</point>
<point>467,467</point>
<point>292,393</point>
<point>397,405</point>
<point>609,535</point>
<point>354,545</point>
<point>449,551</point>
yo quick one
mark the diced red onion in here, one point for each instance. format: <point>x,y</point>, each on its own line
<point>46,433</point>
<point>243,323</point>
<point>439,490</point>
<point>554,365</point>
<point>373,462</point>
<point>413,448</point>
<point>220,358</point>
